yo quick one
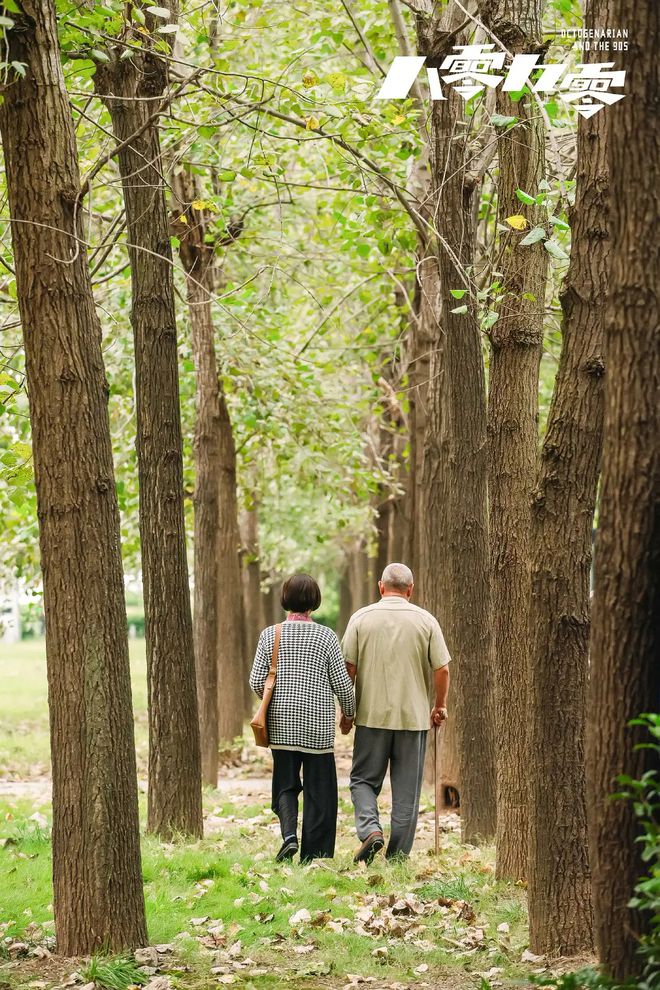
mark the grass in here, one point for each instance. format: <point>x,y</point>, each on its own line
<point>225,907</point>
<point>231,880</point>
<point>24,744</point>
<point>118,973</point>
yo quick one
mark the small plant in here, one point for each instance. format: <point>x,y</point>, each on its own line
<point>113,973</point>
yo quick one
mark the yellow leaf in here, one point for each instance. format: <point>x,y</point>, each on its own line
<point>518,222</point>
<point>337,80</point>
<point>399,119</point>
<point>312,124</point>
<point>183,218</point>
<point>309,80</point>
<point>204,204</point>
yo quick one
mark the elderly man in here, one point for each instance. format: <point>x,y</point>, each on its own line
<point>392,651</point>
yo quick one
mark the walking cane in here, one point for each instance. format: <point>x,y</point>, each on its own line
<point>436,733</point>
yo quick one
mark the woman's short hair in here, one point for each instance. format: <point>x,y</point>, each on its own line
<point>300,593</point>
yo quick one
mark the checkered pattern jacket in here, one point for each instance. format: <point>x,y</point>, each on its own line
<point>310,672</point>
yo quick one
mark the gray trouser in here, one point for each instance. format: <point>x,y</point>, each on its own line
<point>404,751</point>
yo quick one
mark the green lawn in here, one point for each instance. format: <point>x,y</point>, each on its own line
<point>24,742</point>
<point>227,910</point>
<point>223,902</point>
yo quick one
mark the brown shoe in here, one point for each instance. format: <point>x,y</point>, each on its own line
<point>371,845</point>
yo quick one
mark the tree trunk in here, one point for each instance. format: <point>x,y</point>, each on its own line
<point>129,89</point>
<point>456,570</point>
<point>233,676</point>
<point>359,577</point>
<point>97,879</point>
<point>222,678</point>
<point>625,673</point>
<point>516,347</point>
<point>344,600</point>
<point>560,915</point>
<point>253,608</point>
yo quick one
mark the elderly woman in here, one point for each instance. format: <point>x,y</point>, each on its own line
<point>301,719</point>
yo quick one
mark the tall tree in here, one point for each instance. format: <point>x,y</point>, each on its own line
<point>98,898</point>
<point>132,89</point>
<point>516,341</point>
<point>454,469</point>
<point>625,673</point>
<point>217,539</point>
<point>560,914</point>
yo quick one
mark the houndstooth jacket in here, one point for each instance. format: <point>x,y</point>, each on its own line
<point>310,671</point>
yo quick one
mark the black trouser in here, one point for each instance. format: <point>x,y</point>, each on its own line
<point>319,788</point>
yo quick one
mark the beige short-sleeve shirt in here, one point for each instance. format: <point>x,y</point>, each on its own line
<point>395,646</point>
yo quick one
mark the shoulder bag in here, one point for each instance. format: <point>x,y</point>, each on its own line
<point>259,722</point>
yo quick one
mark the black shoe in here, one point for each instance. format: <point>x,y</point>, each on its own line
<point>371,845</point>
<point>288,850</point>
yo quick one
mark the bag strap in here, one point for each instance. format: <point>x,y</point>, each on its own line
<point>269,683</point>
<point>276,648</point>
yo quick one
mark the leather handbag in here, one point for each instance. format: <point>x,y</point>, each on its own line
<point>260,721</point>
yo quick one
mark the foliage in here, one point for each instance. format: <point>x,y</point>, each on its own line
<point>303,181</point>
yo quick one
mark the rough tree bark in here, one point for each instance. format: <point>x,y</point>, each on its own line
<point>131,89</point>
<point>425,333</point>
<point>389,433</point>
<point>253,605</point>
<point>456,588</point>
<point>625,673</point>
<point>218,615</point>
<point>97,880</point>
<point>516,345</point>
<point>560,914</point>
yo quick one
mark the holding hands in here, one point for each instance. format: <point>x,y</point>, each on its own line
<point>345,724</point>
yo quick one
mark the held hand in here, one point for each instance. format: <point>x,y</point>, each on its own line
<point>438,715</point>
<point>345,724</point>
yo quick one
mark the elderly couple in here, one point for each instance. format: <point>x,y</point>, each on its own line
<point>392,651</point>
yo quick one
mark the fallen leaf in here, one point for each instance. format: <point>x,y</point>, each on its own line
<point>300,918</point>
<point>529,957</point>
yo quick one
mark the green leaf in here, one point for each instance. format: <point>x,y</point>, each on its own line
<point>553,249</point>
<point>535,235</point>
<point>6,22</point>
<point>457,293</point>
<point>227,175</point>
<point>460,310</point>
<point>525,198</point>
<point>363,250</point>
<point>499,120</point>
<point>99,55</point>
<point>559,223</point>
